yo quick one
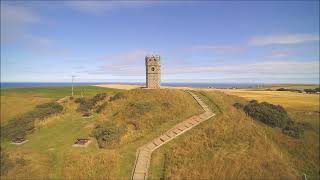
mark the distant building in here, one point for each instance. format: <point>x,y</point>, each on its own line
<point>153,72</point>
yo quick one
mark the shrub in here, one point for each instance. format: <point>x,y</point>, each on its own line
<point>106,134</point>
<point>20,126</point>
<point>310,91</point>
<point>291,90</point>
<point>86,105</point>
<point>294,130</point>
<point>99,97</point>
<point>238,105</point>
<point>275,116</point>
<point>119,95</point>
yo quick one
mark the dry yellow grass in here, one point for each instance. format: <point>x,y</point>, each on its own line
<point>233,146</point>
<point>301,107</point>
<point>27,162</point>
<point>292,100</point>
<point>12,106</point>
<point>84,164</point>
<point>120,86</point>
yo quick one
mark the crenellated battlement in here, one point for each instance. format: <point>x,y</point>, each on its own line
<point>152,60</point>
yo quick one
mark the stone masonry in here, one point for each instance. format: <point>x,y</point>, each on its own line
<point>153,72</point>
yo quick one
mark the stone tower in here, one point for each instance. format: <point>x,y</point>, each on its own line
<point>153,72</point>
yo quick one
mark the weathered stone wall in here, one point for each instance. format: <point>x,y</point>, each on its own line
<point>153,72</point>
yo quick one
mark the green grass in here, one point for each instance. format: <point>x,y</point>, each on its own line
<point>55,92</point>
<point>16,101</point>
<point>49,154</point>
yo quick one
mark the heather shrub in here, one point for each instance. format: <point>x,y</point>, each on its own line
<point>274,116</point>
<point>107,134</point>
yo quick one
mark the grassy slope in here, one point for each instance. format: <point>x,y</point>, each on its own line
<point>302,107</point>
<point>15,101</point>
<point>49,153</point>
<point>231,145</point>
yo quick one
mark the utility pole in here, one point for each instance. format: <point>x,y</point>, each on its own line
<point>72,86</point>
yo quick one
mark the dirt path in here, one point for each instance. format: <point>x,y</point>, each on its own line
<point>143,155</point>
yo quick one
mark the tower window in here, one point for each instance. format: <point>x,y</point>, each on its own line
<point>152,69</point>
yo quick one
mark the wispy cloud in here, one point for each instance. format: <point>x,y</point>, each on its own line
<point>99,7</point>
<point>269,67</point>
<point>217,48</point>
<point>283,39</point>
<point>15,20</point>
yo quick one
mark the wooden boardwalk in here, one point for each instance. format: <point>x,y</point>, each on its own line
<point>143,155</point>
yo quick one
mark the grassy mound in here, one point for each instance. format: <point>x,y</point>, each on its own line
<point>139,112</point>
<point>233,145</point>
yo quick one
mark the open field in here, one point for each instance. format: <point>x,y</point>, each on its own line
<point>15,101</point>
<point>302,107</point>
<point>290,86</point>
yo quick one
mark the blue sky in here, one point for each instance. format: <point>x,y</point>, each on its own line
<point>106,41</point>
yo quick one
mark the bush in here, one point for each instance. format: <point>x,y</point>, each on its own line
<point>107,134</point>
<point>310,91</point>
<point>86,105</point>
<point>274,116</point>
<point>119,95</point>
<point>291,90</point>
<point>99,97</point>
<point>238,105</point>
<point>294,130</point>
<point>20,126</point>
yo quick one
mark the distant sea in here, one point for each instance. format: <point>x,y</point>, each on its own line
<point>177,84</point>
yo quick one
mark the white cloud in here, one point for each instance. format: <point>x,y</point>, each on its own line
<point>269,67</point>
<point>218,48</point>
<point>283,39</point>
